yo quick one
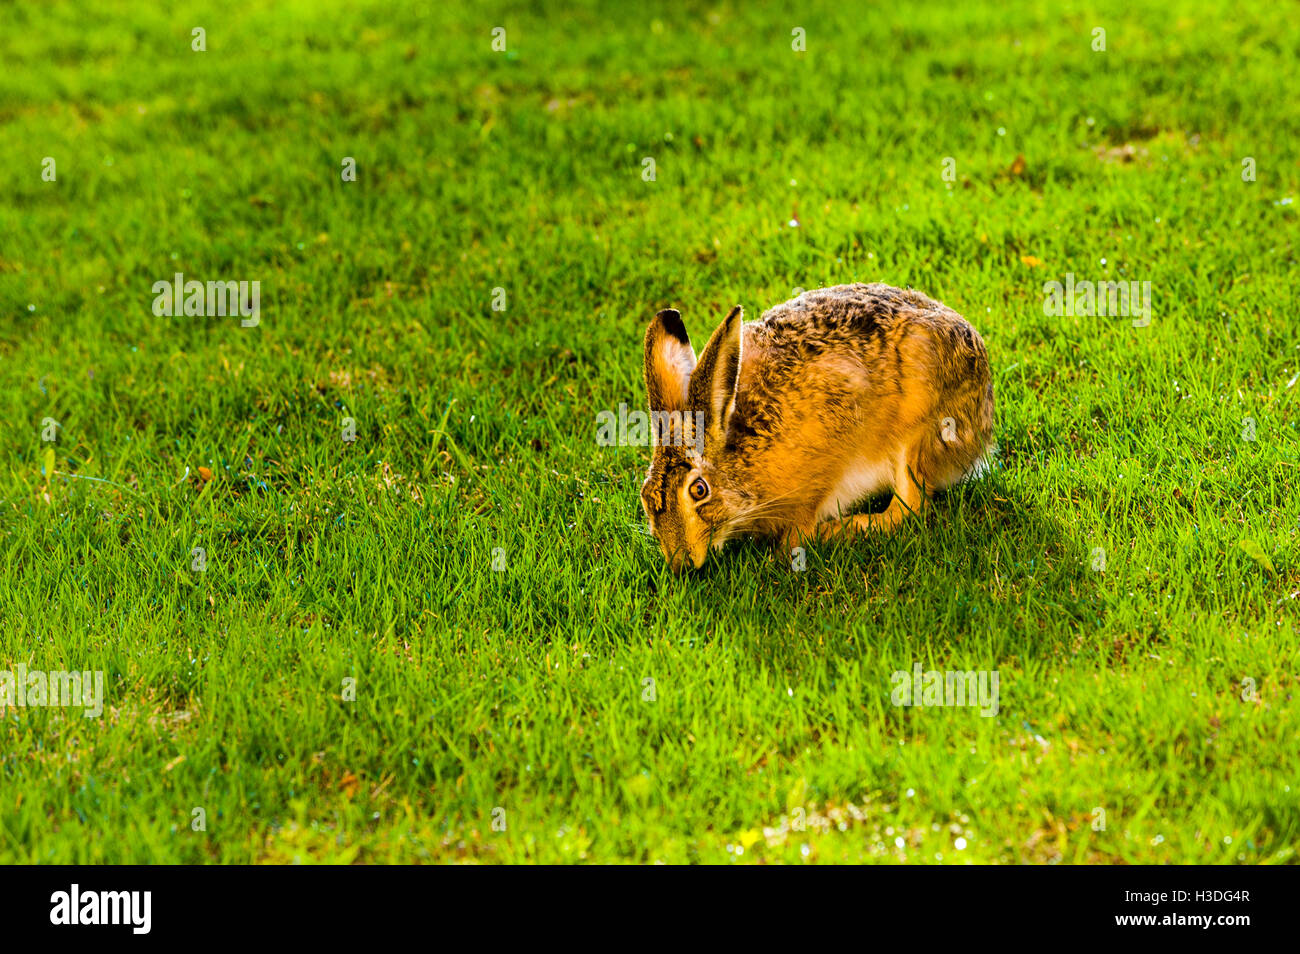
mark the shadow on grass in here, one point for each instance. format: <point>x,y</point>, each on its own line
<point>983,561</point>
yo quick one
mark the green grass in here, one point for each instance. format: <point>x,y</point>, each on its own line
<point>523,689</point>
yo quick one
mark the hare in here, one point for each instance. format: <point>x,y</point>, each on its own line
<point>784,424</point>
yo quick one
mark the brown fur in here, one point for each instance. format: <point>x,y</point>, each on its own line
<point>840,393</point>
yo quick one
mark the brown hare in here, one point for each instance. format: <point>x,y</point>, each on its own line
<point>786,423</point>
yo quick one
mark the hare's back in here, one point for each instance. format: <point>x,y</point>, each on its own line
<point>876,328</point>
<point>861,309</point>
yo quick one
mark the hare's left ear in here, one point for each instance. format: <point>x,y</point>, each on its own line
<point>712,389</point>
<point>669,361</point>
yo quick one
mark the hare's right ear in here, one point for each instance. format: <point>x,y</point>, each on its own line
<point>712,390</point>
<point>669,361</point>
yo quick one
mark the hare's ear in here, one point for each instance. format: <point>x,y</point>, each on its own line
<point>712,390</point>
<point>669,361</point>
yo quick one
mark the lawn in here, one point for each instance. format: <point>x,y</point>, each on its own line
<point>365,587</point>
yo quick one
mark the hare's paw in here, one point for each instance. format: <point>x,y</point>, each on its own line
<point>864,523</point>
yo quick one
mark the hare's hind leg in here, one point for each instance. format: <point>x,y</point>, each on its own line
<point>910,496</point>
<point>937,461</point>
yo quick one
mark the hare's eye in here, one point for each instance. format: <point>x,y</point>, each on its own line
<point>698,489</point>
